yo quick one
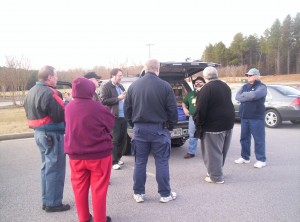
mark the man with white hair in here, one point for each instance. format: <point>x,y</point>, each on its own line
<point>214,120</point>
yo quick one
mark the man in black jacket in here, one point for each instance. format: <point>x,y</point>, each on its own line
<point>150,106</point>
<point>214,116</point>
<point>112,95</point>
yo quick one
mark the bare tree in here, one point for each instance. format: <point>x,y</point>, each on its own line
<point>16,77</point>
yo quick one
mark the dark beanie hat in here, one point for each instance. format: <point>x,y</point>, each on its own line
<point>198,78</point>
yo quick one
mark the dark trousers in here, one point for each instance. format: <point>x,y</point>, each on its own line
<point>119,140</point>
<point>256,128</point>
<point>151,138</point>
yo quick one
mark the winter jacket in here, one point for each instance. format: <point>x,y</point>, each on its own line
<point>214,109</point>
<point>151,100</point>
<point>88,124</point>
<point>44,108</point>
<point>252,98</point>
<point>109,97</point>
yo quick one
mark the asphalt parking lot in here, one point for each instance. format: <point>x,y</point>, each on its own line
<point>249,194</point>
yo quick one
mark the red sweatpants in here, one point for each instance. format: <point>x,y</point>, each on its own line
<point>94,174</point>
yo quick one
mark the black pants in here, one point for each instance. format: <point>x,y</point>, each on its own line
<point>119,134</point>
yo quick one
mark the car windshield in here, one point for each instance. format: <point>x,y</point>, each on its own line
<point>286,90</point>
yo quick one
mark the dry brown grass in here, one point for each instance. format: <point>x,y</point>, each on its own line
<point>13,120</point>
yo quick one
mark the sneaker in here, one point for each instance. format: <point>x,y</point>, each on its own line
<point>188,156</point>
<point>260,164</point>
<point>241,160</point>
<point>139,198</point>
<point>208,180</point>
<point>121,162</point>
<point>172,196</point>
<point>116,167</point>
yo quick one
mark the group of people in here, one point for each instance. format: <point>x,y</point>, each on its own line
<point>92,130</point>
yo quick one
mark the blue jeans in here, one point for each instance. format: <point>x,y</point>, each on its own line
<point>192,140</point>
<point>256,128</point>
<point>53,167</point>
<point>151,137</point>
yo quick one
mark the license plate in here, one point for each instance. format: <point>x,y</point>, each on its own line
<point>176,132</point>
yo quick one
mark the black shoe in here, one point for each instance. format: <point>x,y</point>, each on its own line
<point>44,206</point>
<point>91,218</point>
<point>108,219</point>
<point>63,207</point>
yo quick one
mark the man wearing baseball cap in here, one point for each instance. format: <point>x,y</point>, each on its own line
<point>252,97</point>
<point>94,78</point>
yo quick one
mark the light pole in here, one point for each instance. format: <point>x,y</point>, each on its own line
<point>149,49</point>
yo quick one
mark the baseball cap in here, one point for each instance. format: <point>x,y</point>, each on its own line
<point>252,72</point>
<point>91,75</point>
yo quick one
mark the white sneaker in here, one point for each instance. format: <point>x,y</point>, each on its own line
<point>116,167</point>
<point>172,196</point>
<point>121,162</point>
<point>139,198</point>
<point>208,180</point>
<point>260,164</point>
<point>241,160</point>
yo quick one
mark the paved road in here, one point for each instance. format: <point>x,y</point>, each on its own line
<point>249,194</point>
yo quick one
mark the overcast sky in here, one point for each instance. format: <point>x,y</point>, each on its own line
<point>84,34</point>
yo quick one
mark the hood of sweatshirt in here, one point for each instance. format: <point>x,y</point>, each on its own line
<point>83,88</point>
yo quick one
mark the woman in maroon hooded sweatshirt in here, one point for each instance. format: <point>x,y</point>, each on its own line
<point>88,143</point>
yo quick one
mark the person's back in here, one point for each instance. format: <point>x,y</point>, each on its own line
<point>150,107</point>
<point>89,145</point>
<point>156,101</point>
<point>217,101</point>
<point>214,118</point>
<point>88,119</point>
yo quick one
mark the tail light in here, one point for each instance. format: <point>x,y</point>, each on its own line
<point>296,102</point>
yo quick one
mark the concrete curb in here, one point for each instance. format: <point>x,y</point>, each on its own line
<point>16,136</point>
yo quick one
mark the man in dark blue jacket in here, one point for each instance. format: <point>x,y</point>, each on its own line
<point>150,106</point>
<point>252,96</point>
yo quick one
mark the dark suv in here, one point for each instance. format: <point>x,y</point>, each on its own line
<point>179,75</point>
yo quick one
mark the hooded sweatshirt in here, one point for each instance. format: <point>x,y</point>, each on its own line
<point>88,124</point>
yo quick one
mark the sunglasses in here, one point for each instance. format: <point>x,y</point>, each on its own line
<point>248,75</point>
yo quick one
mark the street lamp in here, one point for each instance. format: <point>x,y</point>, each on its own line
<point>149,50</point>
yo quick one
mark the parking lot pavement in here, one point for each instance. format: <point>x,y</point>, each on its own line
<point>249,194</point>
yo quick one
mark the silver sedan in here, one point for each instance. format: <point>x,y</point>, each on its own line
<point>282,104</point>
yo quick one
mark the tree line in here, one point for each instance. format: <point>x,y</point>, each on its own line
<point>277,51</point>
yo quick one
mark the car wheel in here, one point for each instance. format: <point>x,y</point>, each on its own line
<point>272,118</point>
<point>128,147</point>
<point>295,121</point>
